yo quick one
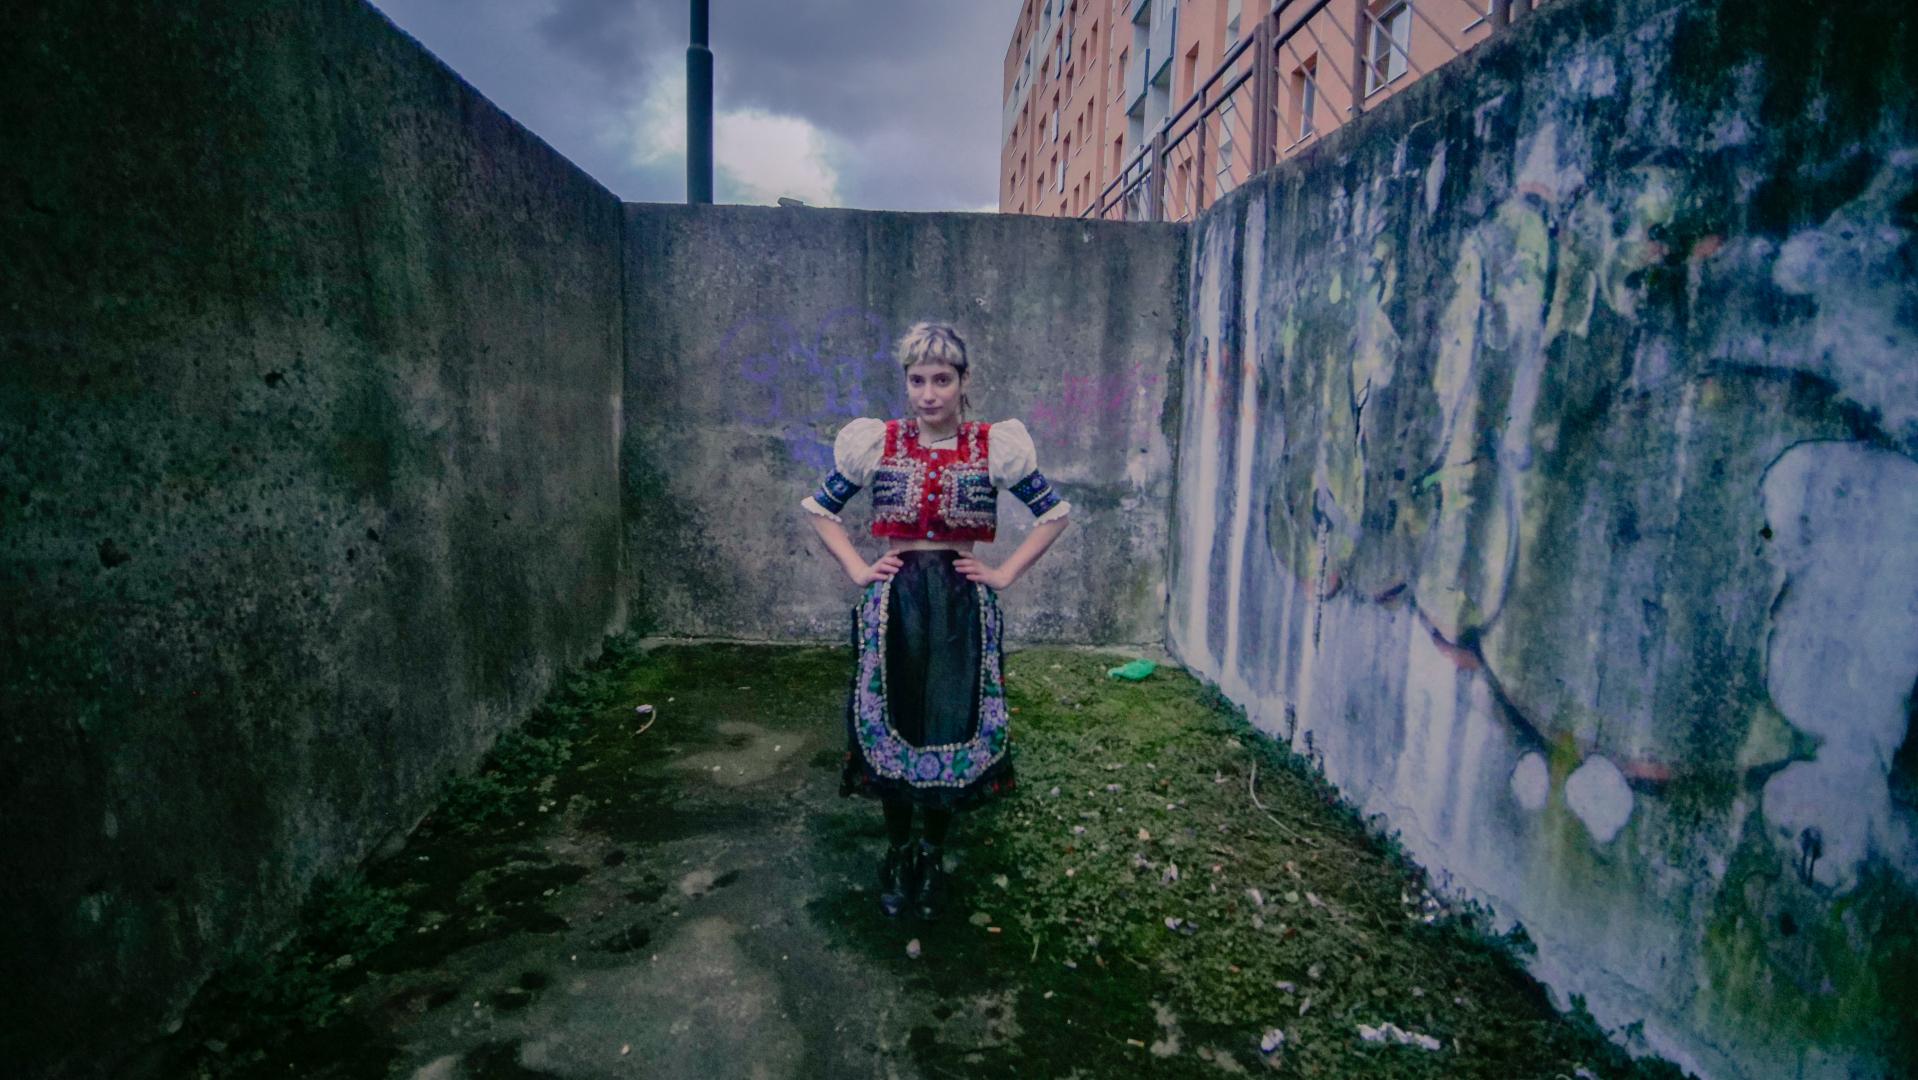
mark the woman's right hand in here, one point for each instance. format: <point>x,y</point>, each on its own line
<point>881,570</point>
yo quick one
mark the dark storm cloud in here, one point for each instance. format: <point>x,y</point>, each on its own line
<point>908,90</point>
<point>615,39</point>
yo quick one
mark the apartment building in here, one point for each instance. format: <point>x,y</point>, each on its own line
<point>1089,86</point>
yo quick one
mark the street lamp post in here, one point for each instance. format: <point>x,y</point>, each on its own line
<point>699,110</point>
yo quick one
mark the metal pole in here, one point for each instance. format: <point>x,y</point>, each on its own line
<point>1501,13</point>
<point>1265,98</point>
<point>699,110</point>
<point>1198,159</point>
<point>1155,180</point>
<point>1359,14</point>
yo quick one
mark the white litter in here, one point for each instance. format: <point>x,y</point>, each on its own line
<point>1391,1033</point>
<point>1171,874</point>
<point>912,948</point>
<point>1258,899</point>
<point>1272,1041</point>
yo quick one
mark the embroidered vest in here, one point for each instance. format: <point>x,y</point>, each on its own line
<point>934,494</point>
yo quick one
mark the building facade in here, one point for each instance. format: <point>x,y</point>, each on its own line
<point>1089,84</point>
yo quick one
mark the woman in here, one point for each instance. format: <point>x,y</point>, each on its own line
<point>927,718</point>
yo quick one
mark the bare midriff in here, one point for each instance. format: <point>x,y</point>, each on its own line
<point>899,544</point>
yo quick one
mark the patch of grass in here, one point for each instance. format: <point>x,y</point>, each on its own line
<point>1340,916</point>
<point>1164,876</point>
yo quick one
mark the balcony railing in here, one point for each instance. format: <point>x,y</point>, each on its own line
<point>1271,95</point>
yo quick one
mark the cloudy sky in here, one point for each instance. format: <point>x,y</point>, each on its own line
<point>881,104</point>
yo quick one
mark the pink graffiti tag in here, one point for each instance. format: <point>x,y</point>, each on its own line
<point>1083,401</point>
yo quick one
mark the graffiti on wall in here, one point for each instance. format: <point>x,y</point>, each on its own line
<point>1084,401</point>
<point>809,383</point>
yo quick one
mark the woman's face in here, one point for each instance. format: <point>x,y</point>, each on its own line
<point>932,389</point>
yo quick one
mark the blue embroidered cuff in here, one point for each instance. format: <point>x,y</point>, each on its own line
<point>833,492</point>
<point>1036,493</point>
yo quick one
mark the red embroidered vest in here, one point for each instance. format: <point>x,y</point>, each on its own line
<point>934,494</point>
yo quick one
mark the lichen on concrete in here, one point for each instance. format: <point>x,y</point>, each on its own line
<point>1589,590</point>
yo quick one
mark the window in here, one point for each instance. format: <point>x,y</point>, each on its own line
<point>1305,96</point>
<point>1118,154</point>
<point>1118,74</point>
<point>1053,135</point>
<point>1190,82</point>
<point>1390,46</point>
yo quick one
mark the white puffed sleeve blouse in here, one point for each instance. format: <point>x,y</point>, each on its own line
<point>1010,458</point>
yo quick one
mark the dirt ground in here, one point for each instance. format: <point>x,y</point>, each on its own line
<point>683,893</point>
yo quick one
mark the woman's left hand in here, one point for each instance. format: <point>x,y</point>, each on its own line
<point>991,577</point>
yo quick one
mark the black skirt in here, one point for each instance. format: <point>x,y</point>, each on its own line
<point>926,719</point>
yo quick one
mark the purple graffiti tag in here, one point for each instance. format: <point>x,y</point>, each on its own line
<point>756,350</point>
<point>851,348</point>
<point>807,449</point>
<point>779,379</point>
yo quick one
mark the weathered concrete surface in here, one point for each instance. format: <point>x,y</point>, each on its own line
<point>309,388</point>
<point>755,333</point>
<point>1547,469</point>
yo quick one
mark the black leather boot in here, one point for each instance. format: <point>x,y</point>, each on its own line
<point>930,891</point>
<point>898,875</point>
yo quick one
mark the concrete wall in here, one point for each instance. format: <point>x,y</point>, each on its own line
<point>309,386</point>
<point>754,333</point>
<point>1547,470</point>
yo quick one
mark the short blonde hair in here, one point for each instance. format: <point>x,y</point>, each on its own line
<point>933,341</point>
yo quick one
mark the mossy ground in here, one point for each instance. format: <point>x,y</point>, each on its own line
<point>1055,958</point>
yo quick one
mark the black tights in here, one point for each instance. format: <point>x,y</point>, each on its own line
<point>899,823</point>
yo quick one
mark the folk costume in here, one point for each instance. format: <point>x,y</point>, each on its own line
<point>926,719</point>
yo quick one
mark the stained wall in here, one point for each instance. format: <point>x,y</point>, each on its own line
<point>309,393</point>
<point>1547,471</point>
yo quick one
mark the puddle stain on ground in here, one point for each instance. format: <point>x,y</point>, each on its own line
<point>752,754</point>
<point>696,901</point>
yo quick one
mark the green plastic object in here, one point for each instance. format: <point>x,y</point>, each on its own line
<point>1136,670</point>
